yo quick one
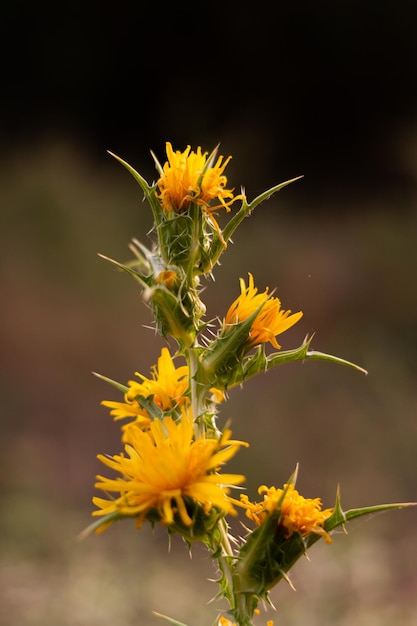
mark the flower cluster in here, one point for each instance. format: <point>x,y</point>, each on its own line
<point>171,469</point>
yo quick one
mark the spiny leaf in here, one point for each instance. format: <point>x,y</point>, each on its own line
<point>147,189</point>
<point>258,363</point>
<point>169,619</point>
<point>100,525</point>
<point>302,353</point>
<point>145,281</point>
<point>340,517</point>
<point>118,386</point>
<point>247,208</point>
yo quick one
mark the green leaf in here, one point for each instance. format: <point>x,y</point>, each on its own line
<point>147,189</point>
<point>221,360</point>
<point>118,386</point>
<point>340,517</point>
<point>147,403</point>
<point>245,210</point>
<point>258,363</point>
<point>270,192</point>
<point>302,353</point>
<point>252,365</point>
<point>103,521</point>
<point>378,508</point>
<point>145,281</point>
<point>171,316</point>
<point>169,619</point>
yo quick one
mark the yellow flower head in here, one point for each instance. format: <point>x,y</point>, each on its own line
<point>168,387</point>
<point>271,319</point>
<point>165,468</point>
<point>131,408</point>
<point>168,384</point>
<point>298,514</point>
<point>187,177</point>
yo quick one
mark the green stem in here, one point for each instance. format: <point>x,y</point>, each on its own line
<point>241,604</point>
<point>226,546</point>
<point>195,242</point>
<point>196,390</point>
<point>224,556</point>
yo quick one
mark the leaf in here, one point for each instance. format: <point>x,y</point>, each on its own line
<point>259,363</point>
<point>221,359</point>
<point>245,210</point>
<point>340,517</point>
<point>100,525</point>
<point>145,281</point>
<point>118,386</point>
<point>169,619</point>
<point>147,189</point>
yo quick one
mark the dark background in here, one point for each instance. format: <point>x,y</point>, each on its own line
<point>327,90</point>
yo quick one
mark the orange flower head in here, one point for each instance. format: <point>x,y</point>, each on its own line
<point>188,177</point>
<point>298,514</point>
<point>168,384</point>
<point>164,467</point>
<point>271,319</point>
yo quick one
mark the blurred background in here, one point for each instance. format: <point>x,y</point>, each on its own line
<point>326,90</point>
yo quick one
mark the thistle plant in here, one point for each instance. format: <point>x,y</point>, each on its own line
<point>171,470</point>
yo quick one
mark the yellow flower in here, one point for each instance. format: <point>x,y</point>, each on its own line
<point>164,469</point>
<point>168,388</point>
<point>298,514</point>
<point>131,408</point>
<point>269,322</point>
<point>168,384</point>
<point>188,178</point>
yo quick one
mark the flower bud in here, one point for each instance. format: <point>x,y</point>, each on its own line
<point>171,317</point>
